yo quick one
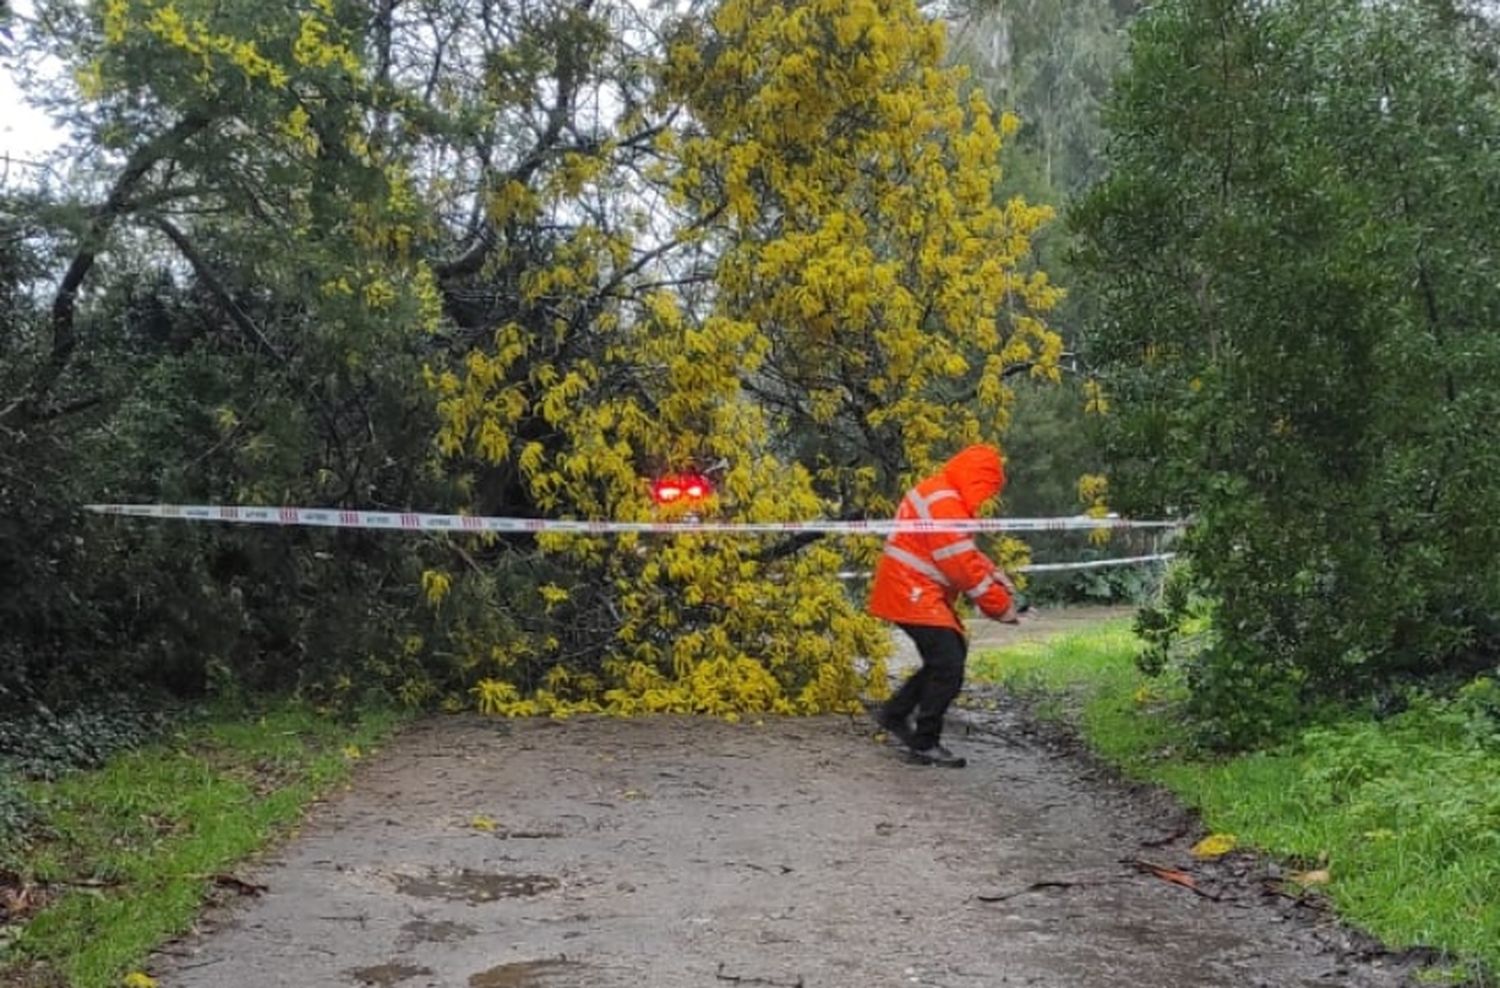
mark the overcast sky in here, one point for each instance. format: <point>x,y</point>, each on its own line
<point>24,132</point>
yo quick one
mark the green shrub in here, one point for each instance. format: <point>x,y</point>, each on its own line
<point>1294,255</point>
<point>1131,584</point>
<point>40,744</point>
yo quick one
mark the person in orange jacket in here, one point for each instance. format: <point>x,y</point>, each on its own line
<point>918,580</point>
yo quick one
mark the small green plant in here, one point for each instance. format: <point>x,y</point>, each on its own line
<point>1479,704</point>
<point>17,814</point>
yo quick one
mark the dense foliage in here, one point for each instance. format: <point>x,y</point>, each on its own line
<point>1294,255</point>
<point>460,255</point>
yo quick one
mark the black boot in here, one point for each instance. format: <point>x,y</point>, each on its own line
<point>896,726</point>
<point>938,755</point>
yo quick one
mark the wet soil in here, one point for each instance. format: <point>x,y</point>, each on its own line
<point>677,852</point>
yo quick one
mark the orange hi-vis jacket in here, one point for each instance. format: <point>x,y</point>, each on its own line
<point>921,574</point>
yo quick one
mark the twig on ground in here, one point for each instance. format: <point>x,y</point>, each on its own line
<point>780,869</point>
<point>753,980</point>
<point>1054,883</point>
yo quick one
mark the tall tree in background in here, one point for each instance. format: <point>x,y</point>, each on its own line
<point>1052,62</point>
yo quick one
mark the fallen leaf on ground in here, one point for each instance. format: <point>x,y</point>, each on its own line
<point>351,751</point>
<point>1173,876</point>
<point>18,900</point>
<point>138,979</point>
<point>1318,876</point>
<point>482,822</point>
<point>1214,846</point>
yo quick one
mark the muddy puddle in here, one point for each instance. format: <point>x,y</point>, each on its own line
<point>557,973</point>
<point>387,975</point>
<point>427,931</point>
<point>474,887</point>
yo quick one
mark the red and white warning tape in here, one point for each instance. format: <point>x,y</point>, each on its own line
<point>421,522</point>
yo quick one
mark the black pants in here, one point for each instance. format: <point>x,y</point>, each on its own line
<point>933,687</point>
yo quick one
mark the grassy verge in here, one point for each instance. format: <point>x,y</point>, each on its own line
<point>131,848</point>
<point>1404,811</point>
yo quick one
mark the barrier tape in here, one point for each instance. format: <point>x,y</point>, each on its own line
<point>1154,557</point>
<point>421,522</point>
<point>1053,567</point>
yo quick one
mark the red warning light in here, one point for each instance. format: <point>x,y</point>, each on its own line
<point>681,487</point>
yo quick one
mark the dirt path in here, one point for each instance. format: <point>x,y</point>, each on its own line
<point>688,852</point>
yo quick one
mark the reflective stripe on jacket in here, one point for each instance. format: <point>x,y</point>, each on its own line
<point>921,574</point>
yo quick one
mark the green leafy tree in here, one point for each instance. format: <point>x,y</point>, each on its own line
<point>223,302</point>
<point>1294,260</point>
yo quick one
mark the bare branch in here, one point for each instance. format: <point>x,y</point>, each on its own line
<point>568,77</point>
<point>70,408</point>
<point>211,281</point>
<point>64,302</point>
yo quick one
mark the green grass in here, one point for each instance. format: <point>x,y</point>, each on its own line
<point>138,840</point>
<point>1406,811</point>
<point>1090,680</point>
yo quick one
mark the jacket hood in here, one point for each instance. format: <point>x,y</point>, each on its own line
<point>977,474</point>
